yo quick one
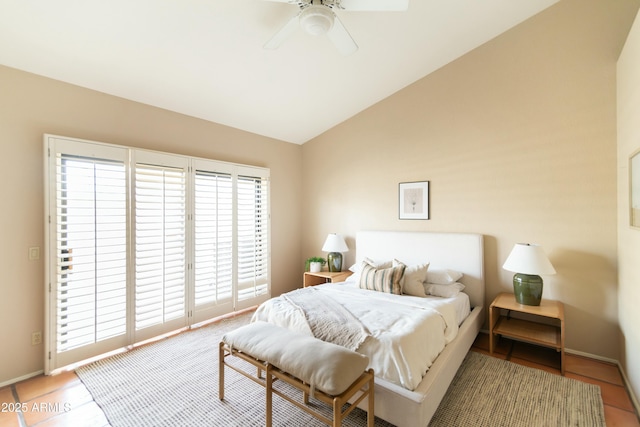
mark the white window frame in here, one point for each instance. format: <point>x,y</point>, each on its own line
<point>193,313</point>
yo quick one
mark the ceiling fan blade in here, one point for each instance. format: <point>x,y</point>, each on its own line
<point>341,38</point>
<point>284,1</point>
<point>375,5</point>
<point>284,33</point>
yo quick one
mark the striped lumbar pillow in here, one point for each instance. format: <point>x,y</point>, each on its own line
<point>382,279</point>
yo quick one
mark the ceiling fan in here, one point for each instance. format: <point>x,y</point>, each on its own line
<point>317,17</point>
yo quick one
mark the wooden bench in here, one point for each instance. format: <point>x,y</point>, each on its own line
<point>327,372</point>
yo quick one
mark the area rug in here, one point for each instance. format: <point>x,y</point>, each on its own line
<point>174,383</point>
<point>496,393</point>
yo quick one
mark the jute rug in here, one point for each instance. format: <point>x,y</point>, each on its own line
<point>174,383</point>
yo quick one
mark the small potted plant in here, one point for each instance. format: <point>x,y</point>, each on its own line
<point>314,264</point>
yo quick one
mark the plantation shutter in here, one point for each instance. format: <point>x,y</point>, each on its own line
<point>88,202</point>
<point>141,243</point>
<point>253,240</point>
<point>160,244</point>
<point>213,256</point>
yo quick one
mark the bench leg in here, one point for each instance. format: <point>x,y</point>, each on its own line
<point>337,413</point>
<point>269,401</point>
<point>221,371</point>
<point>370,409</point>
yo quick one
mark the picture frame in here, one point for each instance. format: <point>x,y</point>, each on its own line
<point>413,200</point>
<point>634,190</point>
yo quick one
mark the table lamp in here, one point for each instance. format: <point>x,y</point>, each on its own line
<point>528,261</point>
<point>334,245</point>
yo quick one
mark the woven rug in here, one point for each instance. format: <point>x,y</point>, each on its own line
<point>174,383</point>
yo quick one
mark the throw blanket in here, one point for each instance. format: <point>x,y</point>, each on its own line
<point>405,333</point>
<point>328,319</point>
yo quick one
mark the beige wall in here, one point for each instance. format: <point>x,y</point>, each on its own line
<point>31,106</point>
<point>518,141</point>
<point>629,238</point>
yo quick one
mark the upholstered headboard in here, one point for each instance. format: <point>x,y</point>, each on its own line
<point>463,252</point>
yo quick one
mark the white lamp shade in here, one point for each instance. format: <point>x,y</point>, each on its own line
<point>526,258</point>
<point>335,243</point>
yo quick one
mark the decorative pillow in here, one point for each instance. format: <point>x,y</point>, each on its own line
<point>445,291</point>
<point>443,277</point>
<point>382,279</point>
<point>412,282</point>
<point>356,269</point>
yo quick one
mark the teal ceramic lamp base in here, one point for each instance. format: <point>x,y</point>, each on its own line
<point>527,288</point>
<point>334,259</point>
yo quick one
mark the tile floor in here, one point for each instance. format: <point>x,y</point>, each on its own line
<point>62,400</point>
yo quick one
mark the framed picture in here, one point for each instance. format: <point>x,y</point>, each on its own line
<point>634,189</point>
<point>414,200</point>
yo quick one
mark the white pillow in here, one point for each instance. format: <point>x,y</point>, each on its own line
<point>445,291</point>
<point>413,280</point>
<point>443,277</point>
<point>356,268</point>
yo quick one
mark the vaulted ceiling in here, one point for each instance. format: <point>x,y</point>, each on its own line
<point>205,58</point>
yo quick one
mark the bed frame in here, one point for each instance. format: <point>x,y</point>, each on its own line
<point>456,251</point>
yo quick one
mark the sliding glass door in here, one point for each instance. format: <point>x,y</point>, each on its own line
<point>160,248</point>
<point>88,257</point>
<point>142,243</point>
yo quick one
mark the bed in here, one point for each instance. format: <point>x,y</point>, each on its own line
<point>405,395</point>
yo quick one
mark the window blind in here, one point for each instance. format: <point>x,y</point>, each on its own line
<point>160,244</point>
<point>213,238</point>
<point>140,243</point>
<point>91,256</point>
<point>253,237</point>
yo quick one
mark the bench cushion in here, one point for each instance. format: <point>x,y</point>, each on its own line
<point>325,366</point>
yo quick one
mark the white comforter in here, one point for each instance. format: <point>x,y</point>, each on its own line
<point>406,333</point>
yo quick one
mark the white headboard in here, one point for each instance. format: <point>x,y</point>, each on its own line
<point>463,252</point>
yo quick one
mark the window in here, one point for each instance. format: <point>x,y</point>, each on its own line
<point>90,251</point>
<point>160,248</point>
<point>214,238</point>
<point>253,238</point>
<point>141,243</point>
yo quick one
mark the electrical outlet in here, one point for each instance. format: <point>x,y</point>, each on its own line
<point>36,338</point>
<point>34,253</point>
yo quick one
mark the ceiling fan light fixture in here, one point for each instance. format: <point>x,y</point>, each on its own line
<point>316,20</point>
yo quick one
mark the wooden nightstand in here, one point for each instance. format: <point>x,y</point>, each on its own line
<point>547,335</point>
<point>313,279</point>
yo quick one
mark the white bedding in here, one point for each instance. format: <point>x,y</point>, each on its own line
<point>406,333</point>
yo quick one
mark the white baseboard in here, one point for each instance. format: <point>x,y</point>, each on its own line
<point>22,378</point>
<point>591,356</point>
<point>634,399</point>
